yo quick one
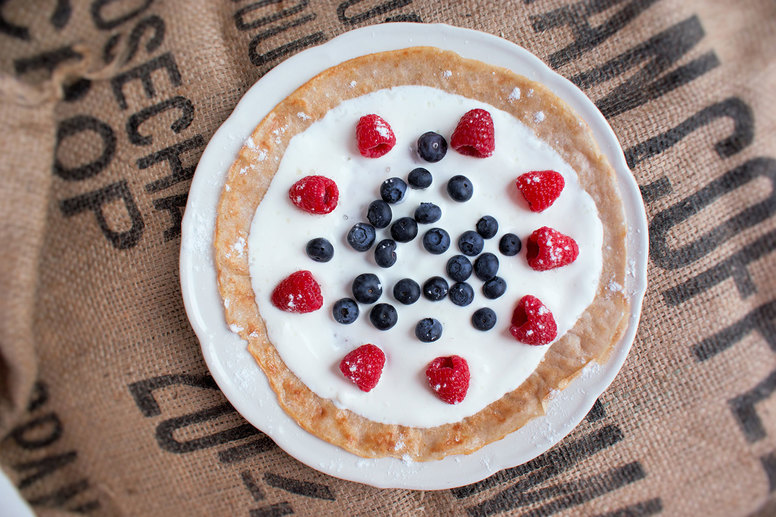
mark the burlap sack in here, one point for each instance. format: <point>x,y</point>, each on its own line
<point>106,406</point>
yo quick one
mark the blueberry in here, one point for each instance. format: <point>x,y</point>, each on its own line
<point>392,190</point>
<point>436,241</point>
<point>320,250</point>
<point>420,178</point>
<point>484,319</point>
<point>428,330</point>
<point>510,244</point>
<point>361,236</point>
<point>435,288</point>
<point>461,294</point>
<point>486,266</point>
<point>379,213</point>
<point>404,229</point>
<point>345,311</point>
<point>427,213</point>
<point>383,316</point>
<point>406,291</point>
<point>385,253</point>
<point>459,268</point>
<point>460,188</point>
<point>432,147</point>
<point>470,243</point>
<point>487,227</point>
<point>494,287</point>
<point>367,288</point>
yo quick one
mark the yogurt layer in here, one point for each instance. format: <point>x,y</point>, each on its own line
<point>313,344</point>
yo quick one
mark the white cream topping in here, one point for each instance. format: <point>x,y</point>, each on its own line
<point>312,345</point>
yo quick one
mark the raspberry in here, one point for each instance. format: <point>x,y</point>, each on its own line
<point>474,134</point>
<point>540,188</point>
<point>374,136</point>
<point>299,292</point>
<point>363,366</point>
<point>532,322</point>
<point>448,378</point>
<point>547,249</point>
<point>314,194</point>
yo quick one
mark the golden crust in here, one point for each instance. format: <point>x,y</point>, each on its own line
<point>592,337</point>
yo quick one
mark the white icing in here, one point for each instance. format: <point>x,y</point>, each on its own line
<point>313,344</point>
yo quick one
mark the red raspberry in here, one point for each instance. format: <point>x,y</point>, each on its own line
<point>299,292</point>
<point>532,322</point>
<point>374,135</point>
<point>449,377</point>
<point>548,249</point>
<point>314,194</point>
<point>474,135</point>
<point>363,366</point>
<point>540,188</point>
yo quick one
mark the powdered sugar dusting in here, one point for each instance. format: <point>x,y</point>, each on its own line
<point>304,116</point>
<point>539,117</point>
<point>353,84</point>
<point>383,130</point>
<point>250,143</point>
<point>239,246</point>
<point>447,73</point>
<point>515,95</point>
<point>235,328</point>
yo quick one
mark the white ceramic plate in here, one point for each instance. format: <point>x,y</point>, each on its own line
<point>235,371</point>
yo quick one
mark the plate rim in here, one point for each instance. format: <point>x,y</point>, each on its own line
<point>581,393</point>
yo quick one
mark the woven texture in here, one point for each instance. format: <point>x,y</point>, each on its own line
<point>106,405</point>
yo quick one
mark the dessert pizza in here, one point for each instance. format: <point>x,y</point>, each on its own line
<point>419,250</point>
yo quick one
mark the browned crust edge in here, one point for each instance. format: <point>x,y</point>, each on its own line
<point>591,339</point>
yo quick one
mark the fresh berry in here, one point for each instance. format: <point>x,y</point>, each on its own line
<point>547,249</point>
<point>392,190</point>
<point>428,330</point>
<point>367,288</point>
<point>487,226</point>
<point>385,253</point>
<point>459,268</point>
<point>461,294</point>
<point>474,135</point>
<point>383,316</point>
<point>435,288</point>
<point>494,287</point>
<point>379,213</point>
<point>460,188</point>
<point>448,378</point>
<point>484,319</point>
<point>404,229</point>
<point>432,147</point>
<point>314,194</point>
<point>363,366</point>
<point>510,244</point>
<point>427,213</point>
<point>486,266</point>
<point>374,136</point>
<point>540,188</point>
<point>361,236</point>
<point>320,250</point>
<point>470,243</point>
<point>532,322</point>
<point>420,178</point>
<point>436,241</point>
<point>406,291</point>
<point>298,292</point>
<point>345,311</point>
